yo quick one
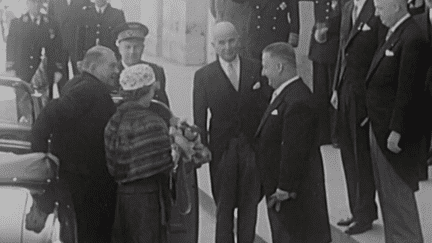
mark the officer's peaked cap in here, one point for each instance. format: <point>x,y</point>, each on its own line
<point>130,30</point>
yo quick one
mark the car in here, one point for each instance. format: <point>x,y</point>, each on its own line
<point>35,207</point>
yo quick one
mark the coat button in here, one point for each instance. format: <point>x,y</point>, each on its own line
<point>328,3</point>
<point>274,28</point>
<point>257,6</point>
<point>31,67</point>
<point>259,17</point>
<point>97,32</point>
<point>274,18</point>
<point>327,17</point>
<point>98,25</point>
<point>327,10</point>
<point>258,27</point>
<point>316,2</point>
<point>31,57</point>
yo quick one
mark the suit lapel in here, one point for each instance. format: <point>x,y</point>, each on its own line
<point>245,78</point>
<point>346,21</point>
<point>365,14</point>
<point>274,105</point>
<point>388,45</point>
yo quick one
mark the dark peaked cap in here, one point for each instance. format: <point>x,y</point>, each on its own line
<point>130,30</point>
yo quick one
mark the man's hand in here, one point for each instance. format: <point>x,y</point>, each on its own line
<point>393,142</point>
<point>293,39</point>
<point>320,34</point>
<point>278,197</point>
<point>334,100</point>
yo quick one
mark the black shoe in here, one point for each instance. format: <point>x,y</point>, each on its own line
<point>345,222</point>
<point>358,228</point>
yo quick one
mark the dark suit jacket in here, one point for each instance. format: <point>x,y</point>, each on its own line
<point>25,42</point>
<point>269,23</point>
<point>161,94</point>
<point>232,112</point>
<point>394,97</point>
<point>329,12</point>
<point>289,158</point>
<point>92,26</point>
<point>67,18</point>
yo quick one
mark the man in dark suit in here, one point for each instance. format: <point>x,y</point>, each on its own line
<point>234,92</point>
<point>65,13</point>
<point>424,22</point>
<point>29,35</point>
<point>272,21</point>
<point>394,100</point>
<point>76,123</point>
<point>288,154</point>
<point>361,34</point>
<point>323,51</point>
<point>238,13</point>
<point>95,27</point>
<point>130,42</point>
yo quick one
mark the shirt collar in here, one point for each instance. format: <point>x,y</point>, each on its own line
<point>98,9</point>
<point>225,63</point>
<point>282,87</point>
<point>400,21</point>
<point>359,4</point>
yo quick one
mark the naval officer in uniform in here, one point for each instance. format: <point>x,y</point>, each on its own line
<point>272,21</point>
<point>95,27</point>
<point>28,36</point>
<point>130,43</point>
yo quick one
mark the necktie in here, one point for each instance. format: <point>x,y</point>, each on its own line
<point>389,33</point>
<point>232,75</point>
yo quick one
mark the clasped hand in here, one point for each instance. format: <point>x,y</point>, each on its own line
<point>278,197</point>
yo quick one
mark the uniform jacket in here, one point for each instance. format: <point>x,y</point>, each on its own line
<point>358,44</point>
<point>234,11</point>
<point>76,123</point>
<point>26,40</point>
<point>67,18</point>
<point>394,97</point>
<point>269,23</point>
<point>94,28</point>
<point>289,158</point>
<point>161,94</point>
<point>328,12</point>
<point>232,112</point>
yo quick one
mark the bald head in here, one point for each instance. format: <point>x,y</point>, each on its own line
<point>101,62</point>
<point>226,41</point>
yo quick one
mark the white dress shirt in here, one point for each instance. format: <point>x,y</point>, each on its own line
<point>358,6</point>
<point>101,9</point>
<point>236,65</point>
<point>430,16</point>
<point>282,87</point>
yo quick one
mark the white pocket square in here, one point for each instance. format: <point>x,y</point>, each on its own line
<point>274,112</point>
<point>257,85</point>
<point>366,27</point>
<point>389,53</point>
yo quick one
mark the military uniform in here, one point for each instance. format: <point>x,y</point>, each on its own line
<point>323,53</point>
<point>26,39</point>
<point>96,29</point>
<point>272,21</point>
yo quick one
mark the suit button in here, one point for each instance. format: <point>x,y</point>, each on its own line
<point>97,32</point>
<point>328,3</point>
<point>31,57</point>
<point>31,67</point>
<point>327,10</point>
<point>327,17</point>
<point>258,27</point>
<point>274,18</point>
<point>316,2</point>
<point>274,28</point>
<point>259,17</point>
<point>98,25</point>
<point>257,6</point>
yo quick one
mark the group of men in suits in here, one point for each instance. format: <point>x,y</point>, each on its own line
<point>260,149</point>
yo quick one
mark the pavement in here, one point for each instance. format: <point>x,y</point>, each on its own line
<point>179,89</point>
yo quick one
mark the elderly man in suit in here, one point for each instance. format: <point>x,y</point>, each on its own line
<point>238,13</point>
<point>288,154</point>
<point>65,12</point>
<point>130,42</point>
<point>95,27</point>
<point>361,34</point>
<point>394,101</point>
<point>234,92</point>
<point>272,21</point>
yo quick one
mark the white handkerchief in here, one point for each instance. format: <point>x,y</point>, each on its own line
<point>366,27</point>
<point>389,53</point>
<point>257,85</point>
<point>274,112</point>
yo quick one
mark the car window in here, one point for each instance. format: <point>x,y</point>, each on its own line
<point>16,105</point>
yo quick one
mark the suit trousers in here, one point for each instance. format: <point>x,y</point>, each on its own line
<point>356,157</point>
<point>323,75</point>
<point>236,185</point>
<point>398,203</point>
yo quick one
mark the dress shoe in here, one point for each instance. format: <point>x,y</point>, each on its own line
<point>358,228</point>
<point>345,222</point>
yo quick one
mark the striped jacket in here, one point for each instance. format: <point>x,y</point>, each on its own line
<point>137,143</point>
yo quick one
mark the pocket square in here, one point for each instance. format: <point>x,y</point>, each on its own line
<point>257,85</point>
<point>389,53</point>
<point>274,112</point>
<point>366,27</point>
